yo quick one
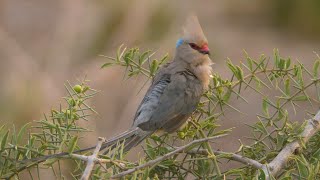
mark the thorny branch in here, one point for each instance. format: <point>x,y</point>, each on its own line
<point>164,157</point>
<point>231,156</point>
<point>274,167</point>
<point>91,160</point>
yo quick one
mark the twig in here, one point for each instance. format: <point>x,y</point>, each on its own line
<point>273,168</point>
<point>231,156</point>
<point>91,160</point>
<point>164,157</point>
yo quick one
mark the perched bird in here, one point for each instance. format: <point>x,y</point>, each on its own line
<point>173,95</point>
<point>175,90</point>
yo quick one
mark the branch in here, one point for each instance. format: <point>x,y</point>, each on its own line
<point>164,157</point>
<point>231,156</point>
<point>91,160</point>
<point>312,127</point>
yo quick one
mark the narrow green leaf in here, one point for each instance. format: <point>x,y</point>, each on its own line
<point>265,106</point>
<point>316,156</point>
<point>50,125</point>
<point>286,178</point>
<point>72,144</point>
<point>128,56</point>
<point>291,139</point>
<point>302,168</point>
<point>143,57</point>
<point>262,175</point>
<point>22,132</point>
<point>276,57</point>
<point>154,67</point>
<point>249,62</point>
<point>106,64</point>
<point>287,87</point>
<point>4,141</point>
<point>227,95</point>
<point>135,72</point>
<point>315,69</point>
<point>299,76</point>
<point>288,63</point>
<point>240,73</point>
<point>281,64</point>
<point>232,67</point>
<point>164,59</point>
<point>119,53</point>
<point>300,98</point>
<point>2,128</point>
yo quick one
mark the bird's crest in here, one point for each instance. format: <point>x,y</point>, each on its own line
<point>192,31</point>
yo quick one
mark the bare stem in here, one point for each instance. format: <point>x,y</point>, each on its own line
<point>91,160</point>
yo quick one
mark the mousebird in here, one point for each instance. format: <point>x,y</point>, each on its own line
<point>175,91</point>
<point>173,95</point>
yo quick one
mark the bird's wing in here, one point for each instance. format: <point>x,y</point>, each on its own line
<point>172,96</point>
<point>151,99</point>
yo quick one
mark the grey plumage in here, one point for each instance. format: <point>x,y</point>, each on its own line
<point>173,95</point>
<point>170,100</point>
<point>175,90</point>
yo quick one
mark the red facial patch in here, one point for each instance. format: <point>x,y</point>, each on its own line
<point>204,49</point>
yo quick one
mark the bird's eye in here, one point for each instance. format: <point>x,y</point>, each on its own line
<point>193,46</point>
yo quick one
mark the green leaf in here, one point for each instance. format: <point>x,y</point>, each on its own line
<point>315,69</point>
<point>227,95</point>
<point>288,63</point>
<point>265,106</point>
<point>276,57</point>
<point>291,139</point>
<point>262,175</point>
<point>300,98</point>
<point>302,167</point>
<point>135,72</point>
<point>260,127</point>
<point>232,67</point>
<point>4,141</point>
<point>281,64</point>
<point>129,56</point>
<point>119,52</point>
<point>50,125</point>
<point>72,144</point>
<point>22,132</point>
<point>240,73</point>
<point>316,156</point>
<point>249,62</point>
<point>2,128</point>
<point>286,178</point>
<point>164,59</point>
<point>143,57</point>
<point>287,87</point>
<point>299,76</point>
<point>150,151</point>
<point>154,67</point>
<point>106,64</point>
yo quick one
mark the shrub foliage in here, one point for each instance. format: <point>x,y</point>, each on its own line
<point>189,152</point>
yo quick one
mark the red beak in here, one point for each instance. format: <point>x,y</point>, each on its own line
<point>205,49</point>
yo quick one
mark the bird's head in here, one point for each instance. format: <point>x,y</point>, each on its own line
<point>193,46</point>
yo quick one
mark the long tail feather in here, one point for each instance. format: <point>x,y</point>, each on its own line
<point>135,140</point>
<point>131,134</point>
<point>121,137</point>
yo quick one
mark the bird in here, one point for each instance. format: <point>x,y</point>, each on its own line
<point>175,90</point>
<point>173,95</point>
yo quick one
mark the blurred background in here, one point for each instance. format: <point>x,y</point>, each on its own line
<point>43,43</point>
